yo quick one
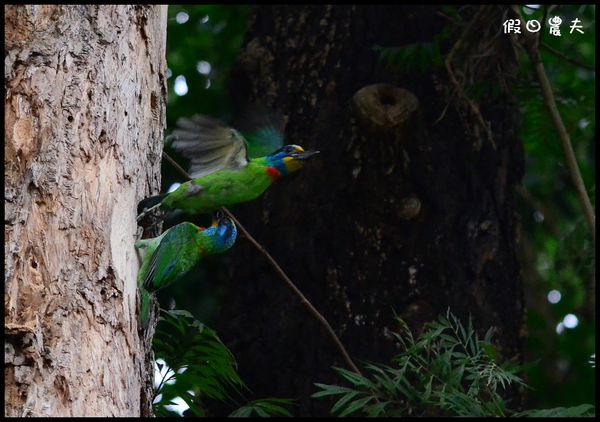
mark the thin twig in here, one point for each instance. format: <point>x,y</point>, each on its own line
<point>305,302</point>
<point>177,166</point>
<point>448,63</point>
<point>297,291</point>
<point>531,44</point>
<point>567,58</point>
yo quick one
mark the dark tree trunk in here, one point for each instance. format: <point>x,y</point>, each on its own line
<point>399,214</point>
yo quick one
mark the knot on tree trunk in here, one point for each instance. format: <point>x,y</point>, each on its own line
<point>383,109</point>
<point>409,208</point>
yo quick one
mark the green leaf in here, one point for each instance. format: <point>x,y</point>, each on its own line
<point>427,393</point>
<point>354,378</point>
<point>211,369</point>
<point>576,411</point>
<point>330,390</point>
<point>343,401</point>
<point>449,338</point>
<point>354,406</point>
<point>264,408</point>
<point>376,409</point>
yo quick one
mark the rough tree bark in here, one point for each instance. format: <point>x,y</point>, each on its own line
<point>402,212</point>
<point>84,107</point>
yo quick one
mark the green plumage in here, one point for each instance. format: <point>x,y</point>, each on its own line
<point>222,188</point>
<point>221,166</point>
<point>170,256</point>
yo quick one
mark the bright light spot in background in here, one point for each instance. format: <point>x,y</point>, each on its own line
<point>180,406</point>
<point>159,374</point>
<point>203,67</point>
<point>583,123</point>
<point>527,9</point>
<point>554,296</point>
<point>560,328</point>
<point>164,373</point>
<point>182,17</point>
<point>169,73</point>
<point>173,187</point>
<point>538,216</point>
<point>570,321</point>
<point>181,87</point>
<point>592,360</point>
<point>204,19</point>
<point>207,85</point>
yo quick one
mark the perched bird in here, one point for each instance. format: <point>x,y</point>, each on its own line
<point>170,256</point>
<point>221,166</point>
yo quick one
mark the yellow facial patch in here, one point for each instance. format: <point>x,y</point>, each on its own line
<point>291,164</point>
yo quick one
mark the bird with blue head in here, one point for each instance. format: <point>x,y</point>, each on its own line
<point>223,169</point>
<point>169,257</point>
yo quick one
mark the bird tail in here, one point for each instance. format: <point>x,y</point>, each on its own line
<point>145,306</point>
<point>149,204</point>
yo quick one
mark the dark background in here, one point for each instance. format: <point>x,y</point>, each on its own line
<point>309,222</point>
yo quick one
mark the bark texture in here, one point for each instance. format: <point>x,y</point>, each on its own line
<point>402,212</point>
<point>84,110</point>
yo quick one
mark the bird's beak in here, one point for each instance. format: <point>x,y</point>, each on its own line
<point>217,217</point>
<point>305,155</point>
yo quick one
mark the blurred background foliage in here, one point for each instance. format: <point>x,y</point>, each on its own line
<point>202,44</point>
<point>557,250</point>
<point>558,256</point>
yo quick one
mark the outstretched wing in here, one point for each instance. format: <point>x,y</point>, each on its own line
<point>172,258</point>
<point>262,128</point>
<point>209,145</point>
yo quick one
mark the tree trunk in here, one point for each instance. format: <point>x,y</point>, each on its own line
<point>408,209</point>
<point>84,113</point>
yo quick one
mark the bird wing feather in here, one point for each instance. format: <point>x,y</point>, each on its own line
<point>209,145</point>
<point>167,254</point>
<point>262,128</point>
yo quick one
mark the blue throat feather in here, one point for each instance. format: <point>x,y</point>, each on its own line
<point>276,161</point>
<point>224,235</point>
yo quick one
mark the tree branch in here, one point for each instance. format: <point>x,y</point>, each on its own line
<point>305,302</point>
<point>531,44</point>
<point>448,63</point>
<point>567,58</point>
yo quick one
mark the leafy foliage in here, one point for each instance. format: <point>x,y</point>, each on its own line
<point>557,247</point>
<point>202,365</point>
<point>209,39</point>
<point>565,262</point>
<point>568,412</point>
<point>202,368</point>
<point>448,370</point>
<point>212,34</point>
<point>264,408</point>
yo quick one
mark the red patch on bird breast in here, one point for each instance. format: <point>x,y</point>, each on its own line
<point>273,173</point>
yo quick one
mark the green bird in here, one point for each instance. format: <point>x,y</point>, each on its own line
<point>170,256</point>
<point>225,170</point>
